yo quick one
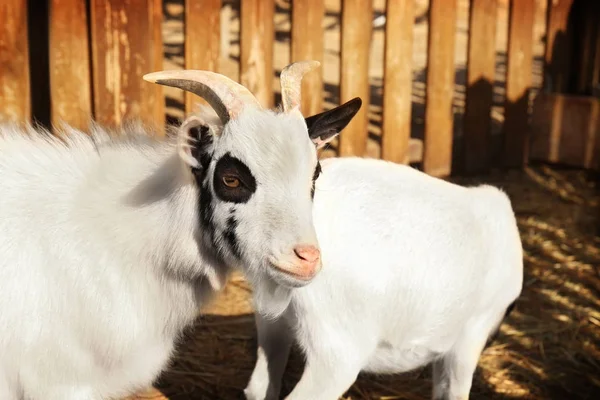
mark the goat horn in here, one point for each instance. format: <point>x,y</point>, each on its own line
<point>291,82</point>
<point>227,97</point>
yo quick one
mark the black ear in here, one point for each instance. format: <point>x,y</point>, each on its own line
<point>325,126</point>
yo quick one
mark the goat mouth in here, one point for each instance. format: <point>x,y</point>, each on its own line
<point>280,270</point>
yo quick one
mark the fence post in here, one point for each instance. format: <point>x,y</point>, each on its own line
<point>256,48</point>
<point>124,40</point>
<point>557,57</point>
<point>481,68</point>
<point>437,159</point>
<point>357,20</point>
<point>202,40</point>
<point>307,44</point>
<point>518,82</point>
<point>397,88</point>
<point>70,84</point>
<point>15,97</point>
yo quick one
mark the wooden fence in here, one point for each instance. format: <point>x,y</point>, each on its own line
<point>72,60</point>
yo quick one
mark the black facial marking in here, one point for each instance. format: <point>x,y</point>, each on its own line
<point>231,237</point>
<point>203,140</point>
<point>206,208</point>
<point>201,151</point>
<point>314,179</point>
<point>229,166</point>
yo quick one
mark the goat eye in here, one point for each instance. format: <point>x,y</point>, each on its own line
<point>231,181</point>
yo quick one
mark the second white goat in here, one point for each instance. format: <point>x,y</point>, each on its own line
<point>416,270</point>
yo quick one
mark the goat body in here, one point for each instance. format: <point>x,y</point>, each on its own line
<point>93,291</point>
<point>416,270</point>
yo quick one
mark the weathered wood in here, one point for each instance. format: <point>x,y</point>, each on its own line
<point>123,50</point>
<point>357,16</point>
<point>566,129</point>
<point>70,83</point>
<point>15,98</point>
<point>588,26</point>
<point>481,67</point>
<point>307,44</point>
<point>518,82</point>
<point>256,48</point>
<point>557,57</point>
<point>437,160</point>
<point>596,67</point>
<point>397,101</point>
<point>202,40</point>
<point>158,58</point>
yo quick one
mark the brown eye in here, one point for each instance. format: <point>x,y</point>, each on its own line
<point>231,181</point>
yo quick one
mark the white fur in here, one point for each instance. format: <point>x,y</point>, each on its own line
<point>415,270</point>
<point>102,258</point>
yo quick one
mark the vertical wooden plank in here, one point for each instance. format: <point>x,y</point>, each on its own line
<point>307,44</point>
<point>123,50</point>
<point>518,82</point>
<point>557,57</point>
<point>596,69</point>
<point>357,19</point>
<point>589,22</point>
<point>481,68</point>
<point>397,90</point>
<point>70,84</point>
<point>202,40</point>
<point>158,57</point>
<point>256,52</point>
<point>15,98</point>
<point>437,160</point>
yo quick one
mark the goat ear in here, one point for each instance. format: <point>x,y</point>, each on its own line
<point>324,127</point>
<point>194,141</point>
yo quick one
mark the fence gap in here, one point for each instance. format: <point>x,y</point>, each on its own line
<point>397,75</point>
<point>481,68</point>
<point>357,20</point>
<point>518,81</point>
<point>123,49</point>
<point>202,40</point>
<point>70,84</point>
<point>256,48</point>
<point>307,44</point>
<point>437,159</point>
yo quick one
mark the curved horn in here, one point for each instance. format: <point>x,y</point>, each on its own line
<point>291,82</point>
<point>225,96</point>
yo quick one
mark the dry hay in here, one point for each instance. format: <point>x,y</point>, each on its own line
<point>549,347</point>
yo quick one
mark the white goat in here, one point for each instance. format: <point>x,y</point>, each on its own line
<point>109,245</point>
<point>416,270</point>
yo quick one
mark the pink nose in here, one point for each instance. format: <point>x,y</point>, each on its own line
<point>308,257</point>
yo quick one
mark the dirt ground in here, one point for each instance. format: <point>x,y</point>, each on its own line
<point>549,347</point>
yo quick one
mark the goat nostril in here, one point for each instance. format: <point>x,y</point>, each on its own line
<point>307,253</point>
